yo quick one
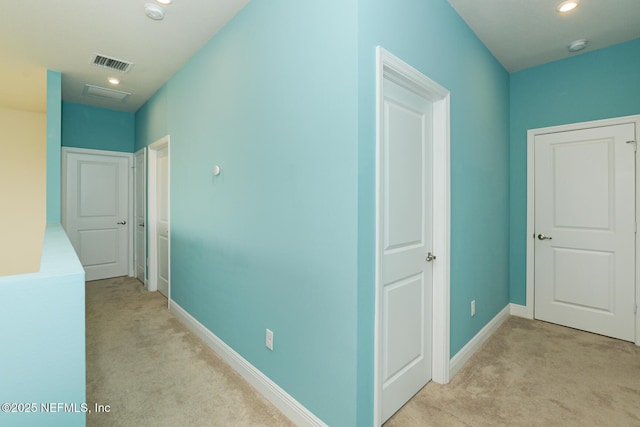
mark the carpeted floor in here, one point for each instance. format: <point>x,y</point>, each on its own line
<point>531,373</point>
<point>151,371</point>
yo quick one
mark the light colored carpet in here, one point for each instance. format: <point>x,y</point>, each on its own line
<point>152,371</point>
<point>531,373</point>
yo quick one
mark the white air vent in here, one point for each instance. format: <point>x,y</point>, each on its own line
<point>105,93</point>
<point>111,63</point>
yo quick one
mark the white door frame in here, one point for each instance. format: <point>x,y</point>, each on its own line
<point>143,152</point>
<point>63,190</point>
<point>389,66</point>
<point>152,212</point>
<point>530,263</point>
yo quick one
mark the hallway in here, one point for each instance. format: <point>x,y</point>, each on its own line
<point>147,369</point>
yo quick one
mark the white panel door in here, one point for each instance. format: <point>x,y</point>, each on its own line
<point>96,212</point>
<point>585,229</point>
<point>140,204</point>
<point>162,226</point>
<point>406,233</point>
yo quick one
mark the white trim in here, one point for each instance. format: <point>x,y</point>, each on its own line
<point>441,239</point>
<point>282,400</point>
<point>389,66</point>
<point>63,191</point>
<point>143,152</point>
<point>152,213</point>
<point>463,356</point>
<point>518,310</point>
<point>531,135</point>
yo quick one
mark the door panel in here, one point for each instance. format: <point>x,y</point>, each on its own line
<point>103,175</point>
<point>406,218</point>
<point>402,333</point>
<point>163,220</point>
<point>140,215</point>
<point>585,202</point>
<point>96,212</point>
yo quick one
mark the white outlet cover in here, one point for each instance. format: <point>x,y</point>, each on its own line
<point>269,339</point>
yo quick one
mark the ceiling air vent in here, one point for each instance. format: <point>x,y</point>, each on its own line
<point>105,93</point>
<point>111,63</point>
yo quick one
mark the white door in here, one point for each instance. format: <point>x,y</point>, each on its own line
<point>162,226</point>
<point>140,203</point>
<point>585,229</point>
<point>159,217</point>
<point>96,211</point>
<point>405,219</point>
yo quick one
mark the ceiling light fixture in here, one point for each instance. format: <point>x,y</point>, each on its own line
<point>567,6</point>
<point>154,11</point>
<point>578,45</point>
<point>165,2</point>
<point>114,81</point>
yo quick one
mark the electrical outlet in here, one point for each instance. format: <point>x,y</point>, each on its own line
<point>269,339</point>
<point>473,308</point>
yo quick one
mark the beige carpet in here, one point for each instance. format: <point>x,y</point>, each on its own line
<point>531,373</point>
<point>151,371</point>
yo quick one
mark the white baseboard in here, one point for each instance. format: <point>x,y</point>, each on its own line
<point>290,407</point>
<point>519,310</point>
<point>458,361</point>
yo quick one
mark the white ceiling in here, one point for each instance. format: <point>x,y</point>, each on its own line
<point>63,35</point>
<point>526,33</point>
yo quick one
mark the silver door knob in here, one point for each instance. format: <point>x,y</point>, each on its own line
<point>543,237</point>
<point>430,257</point>
<point>122,222</point>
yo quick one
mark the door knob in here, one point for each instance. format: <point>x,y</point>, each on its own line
<point>543,237</point>
<point>122,222</point>
<point>430,257</point>
<point>141,224</point>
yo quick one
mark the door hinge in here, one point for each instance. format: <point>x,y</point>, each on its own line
<point>635,309</point>
<point>635,145</point>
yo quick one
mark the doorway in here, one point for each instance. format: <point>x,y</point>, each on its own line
<point>159,217</point>
<point>140,215</point>
<point>412,234</point>
<point>582,238</point>
<point>96,210</point>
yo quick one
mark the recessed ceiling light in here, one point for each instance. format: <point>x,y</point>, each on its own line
<point>114,81</point>
<point>164,1</point>
<point>567,6</point>
<point>154,11</point>
<point>578,45</point>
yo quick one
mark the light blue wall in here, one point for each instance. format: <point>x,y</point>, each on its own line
<point>431,37</point>
<point>595,85</point>
<point>42,325</point>
<point>271,242</point>
<point>154,119</point>
<point>54,106</point>
<point>284,238</point>
<point>84,126</point>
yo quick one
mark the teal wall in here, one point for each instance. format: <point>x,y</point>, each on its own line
<point>154,119</point>
<point>431,37</point>
<point>271,242</point>
<point>284,238</point>
<point>84,126</point>
<point>54,106</point>
<point>595,85</point>
<point>42,325</point>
